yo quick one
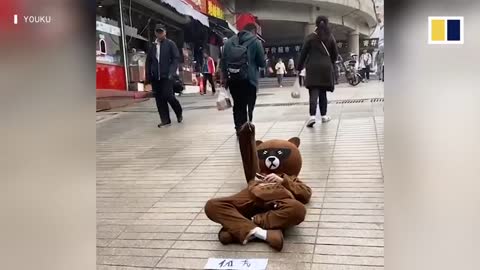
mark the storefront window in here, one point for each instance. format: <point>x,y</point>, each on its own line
<point>108,42</point>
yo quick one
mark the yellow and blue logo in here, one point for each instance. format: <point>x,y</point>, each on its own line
<point>445,30</point>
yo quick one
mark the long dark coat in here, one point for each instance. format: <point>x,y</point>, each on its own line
<point>320,69</point>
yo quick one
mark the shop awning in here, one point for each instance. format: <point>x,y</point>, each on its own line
<point>115,30</point>
<point>186,9</point>
<point>233,28</point>
<point>223,27</point>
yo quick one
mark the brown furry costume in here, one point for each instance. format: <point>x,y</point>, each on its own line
<point>271,206</point>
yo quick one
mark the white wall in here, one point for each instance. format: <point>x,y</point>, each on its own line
<point>354,14</point>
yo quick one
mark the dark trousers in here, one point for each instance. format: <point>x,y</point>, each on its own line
<point>163,92</point>
<point>208,77</point>
<point>280,79</point>
<point>301,80</point>
<point>336,73</point>
<point>366,72</point>
<point>318,96</point>
<point>244,96</point>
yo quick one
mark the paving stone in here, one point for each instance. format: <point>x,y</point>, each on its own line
<point>149,236</point>
<point>110,267</point>
<point>128,260</point>
<point>351,225</point>
<point>343,267</point>
<point>141,244</point>
<point>350,233</point>
<point>151,194</point>
<point>272,256</point>
<point>349,250</point>
<point>154,229</point>
<point>348,241</point>
<point>143,252</point>
<point>348,260</point>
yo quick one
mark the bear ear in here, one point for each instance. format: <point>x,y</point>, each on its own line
<point>258,142</point>
<point>295,140</point>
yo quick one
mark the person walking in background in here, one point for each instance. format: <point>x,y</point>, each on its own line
<point>365,64</point>
<point>242,57</point>
<point>318,55</point>
<point>224,40</point>
<point>208,71</point>
<point>160,67</point>
<point>281,70</point>
<point>301,77</point>
<point>336,66</point>
<point>291,66</point>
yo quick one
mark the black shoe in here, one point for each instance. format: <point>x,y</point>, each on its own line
<point>180,119</point>
<point>161,125</point>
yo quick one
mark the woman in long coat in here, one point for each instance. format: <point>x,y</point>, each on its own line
<point>318,56</point>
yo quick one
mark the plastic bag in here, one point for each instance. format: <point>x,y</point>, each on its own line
<point>224,100</point>
<point>296,89</point>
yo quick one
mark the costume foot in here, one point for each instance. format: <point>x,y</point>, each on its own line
<point>275,239</point>
<point>225,237</point>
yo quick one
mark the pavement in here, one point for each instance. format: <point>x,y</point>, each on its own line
<point>152,183</point>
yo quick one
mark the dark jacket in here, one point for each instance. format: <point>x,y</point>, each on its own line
<point>169,58</point>
<point>320,70</point>
<point>256,56</point>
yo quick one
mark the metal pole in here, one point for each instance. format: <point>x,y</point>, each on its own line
<point>124,43</point>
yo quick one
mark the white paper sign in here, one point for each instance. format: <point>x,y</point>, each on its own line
<point>236,264</point>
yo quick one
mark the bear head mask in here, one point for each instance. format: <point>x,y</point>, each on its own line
<point>279,156</point>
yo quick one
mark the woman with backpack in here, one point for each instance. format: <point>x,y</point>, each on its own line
<point>318,56</point>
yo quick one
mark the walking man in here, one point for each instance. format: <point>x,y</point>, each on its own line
<point>280,68</point>
<point>242,57</point>
<point>208,71</point>
<point>161,65</point>
<point>365,64</point>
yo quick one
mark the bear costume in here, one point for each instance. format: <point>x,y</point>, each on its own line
<point>274,199</point>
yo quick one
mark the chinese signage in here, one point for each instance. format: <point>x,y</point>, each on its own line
<point>108,28</point>
<point>214,9</point>
<point>236,264</point>
<point>283,49</point>
<point>369,44</point>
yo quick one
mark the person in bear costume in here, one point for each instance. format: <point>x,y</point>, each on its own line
<point>274,199</point>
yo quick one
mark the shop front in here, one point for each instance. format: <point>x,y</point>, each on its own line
<point>185,26</point>
<point>110,70</point>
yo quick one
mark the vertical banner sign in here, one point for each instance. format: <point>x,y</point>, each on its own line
<point>214,9</point>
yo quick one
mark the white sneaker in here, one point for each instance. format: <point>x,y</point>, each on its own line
<point>311,121</point>
<point>326,119</point>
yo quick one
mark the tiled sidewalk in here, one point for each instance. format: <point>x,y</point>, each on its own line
<point>152,184</point>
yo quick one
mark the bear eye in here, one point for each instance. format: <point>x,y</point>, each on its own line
<point>265,152</point>
<point>280,152</point>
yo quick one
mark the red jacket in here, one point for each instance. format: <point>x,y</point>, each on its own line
<point>211,65</point>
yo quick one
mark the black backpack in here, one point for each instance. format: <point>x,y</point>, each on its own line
<point>237,60</point>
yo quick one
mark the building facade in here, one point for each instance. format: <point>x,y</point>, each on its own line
<point>286,22</point>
